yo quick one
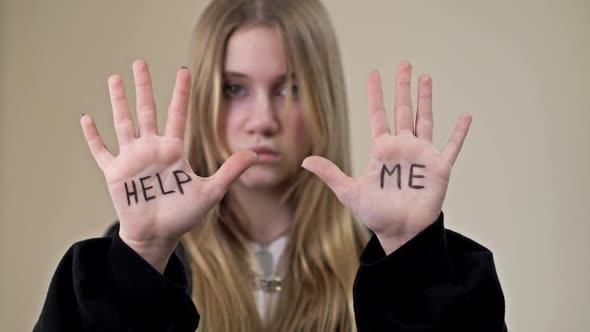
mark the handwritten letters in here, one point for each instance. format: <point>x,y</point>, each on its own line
<point>398,169</point>
<point>149,192</point>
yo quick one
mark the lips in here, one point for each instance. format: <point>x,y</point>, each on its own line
<point>265,153</point>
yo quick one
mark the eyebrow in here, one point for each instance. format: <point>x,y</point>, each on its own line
<point>232,74</point>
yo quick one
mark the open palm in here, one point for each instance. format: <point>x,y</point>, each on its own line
<point>406,181</point>
<point>157,196</point>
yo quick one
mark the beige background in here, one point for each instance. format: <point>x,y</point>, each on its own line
<point>520,185</point>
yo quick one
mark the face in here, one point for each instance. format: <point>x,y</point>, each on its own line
<point>255,115</point>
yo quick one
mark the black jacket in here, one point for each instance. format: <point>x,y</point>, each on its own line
<point>438,281</point>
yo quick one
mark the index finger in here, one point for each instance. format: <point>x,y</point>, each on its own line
<point>176,123</point>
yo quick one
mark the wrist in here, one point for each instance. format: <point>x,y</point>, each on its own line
<point>394,242</point>
<point>156,252</point>
<point>393,239</point>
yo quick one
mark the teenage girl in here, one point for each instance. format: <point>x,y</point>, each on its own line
<point>248,221</point>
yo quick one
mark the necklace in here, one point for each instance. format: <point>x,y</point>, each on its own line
<point>265,280</point>
<point>272,285</point>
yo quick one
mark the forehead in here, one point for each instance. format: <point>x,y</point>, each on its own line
<point>256,51</point>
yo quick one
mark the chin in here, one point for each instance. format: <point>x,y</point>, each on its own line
<point>255,178</point>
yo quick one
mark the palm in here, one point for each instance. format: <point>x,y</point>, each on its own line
<point>142,183</point>
<point>406,181</point>
<point>156,195</point>
<point>387,195</point>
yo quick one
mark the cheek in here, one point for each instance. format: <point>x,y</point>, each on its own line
<point>302,137</point>
<point>231,122</point>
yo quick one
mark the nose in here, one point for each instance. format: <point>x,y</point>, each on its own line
<point>262,118</point>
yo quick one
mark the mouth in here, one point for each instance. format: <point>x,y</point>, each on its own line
<point>265,153</point>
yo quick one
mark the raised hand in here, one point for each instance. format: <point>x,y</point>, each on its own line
<point>157,196</point>
<point>406,181</point>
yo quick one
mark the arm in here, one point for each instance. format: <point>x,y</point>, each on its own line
<point>437,281</point>
<point>103,285</point>
<point>414,275</point>
<point>134,281</point>
<point>157,196</point>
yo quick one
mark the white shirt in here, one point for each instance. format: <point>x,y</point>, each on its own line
<point>266,301</point>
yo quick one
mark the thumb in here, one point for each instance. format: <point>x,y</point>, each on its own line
<point>230,171</point>
<point>342,185</point>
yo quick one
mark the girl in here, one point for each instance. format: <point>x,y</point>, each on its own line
<point>268,245</point>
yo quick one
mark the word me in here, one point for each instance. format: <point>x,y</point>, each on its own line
<point>398,168</point>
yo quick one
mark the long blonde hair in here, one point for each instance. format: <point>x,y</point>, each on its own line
<point>325,241</point>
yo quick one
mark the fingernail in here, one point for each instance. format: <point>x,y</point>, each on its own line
<point>424,78</point>
<point>81,115</point>
<point>183,67</point>
<point>303,163</point>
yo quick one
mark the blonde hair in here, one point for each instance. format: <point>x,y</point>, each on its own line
<point>325,241</point>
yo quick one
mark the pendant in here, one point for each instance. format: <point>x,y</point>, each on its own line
<point>273,285</point>
<point>265,281</point>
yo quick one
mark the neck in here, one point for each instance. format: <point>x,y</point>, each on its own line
<point>262,214</point>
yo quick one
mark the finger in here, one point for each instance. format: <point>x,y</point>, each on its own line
<point>342,185</point>
<point>97,148</point>
<point>403,117</point>
<point>177,111</point>
<point>453,147</point>
<point>121,117</point>
<point>424,121</point>
<point>146,107</point>
<point>230,171</point>
<point>377,113</point>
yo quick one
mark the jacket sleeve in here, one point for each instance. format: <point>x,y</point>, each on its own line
<point>438,281</point>
<point>103,285</point>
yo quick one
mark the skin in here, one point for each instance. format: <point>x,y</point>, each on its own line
<point>397,215</point>
<point>255,115</point>
<point>154,228</point>
<point>256,118</point>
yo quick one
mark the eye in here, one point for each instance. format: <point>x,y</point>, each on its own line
<point>294,91</point>
<point>232,90</point>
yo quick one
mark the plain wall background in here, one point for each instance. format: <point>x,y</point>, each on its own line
<point>520,185</point>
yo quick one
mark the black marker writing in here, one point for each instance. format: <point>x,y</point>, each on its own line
<point>134,193</point>
<point>415,176</point>
<point>164,192</point>
<point>188,179</point>
<point>145,189</point>
<point>390,172</point>
<point>181,178</point>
